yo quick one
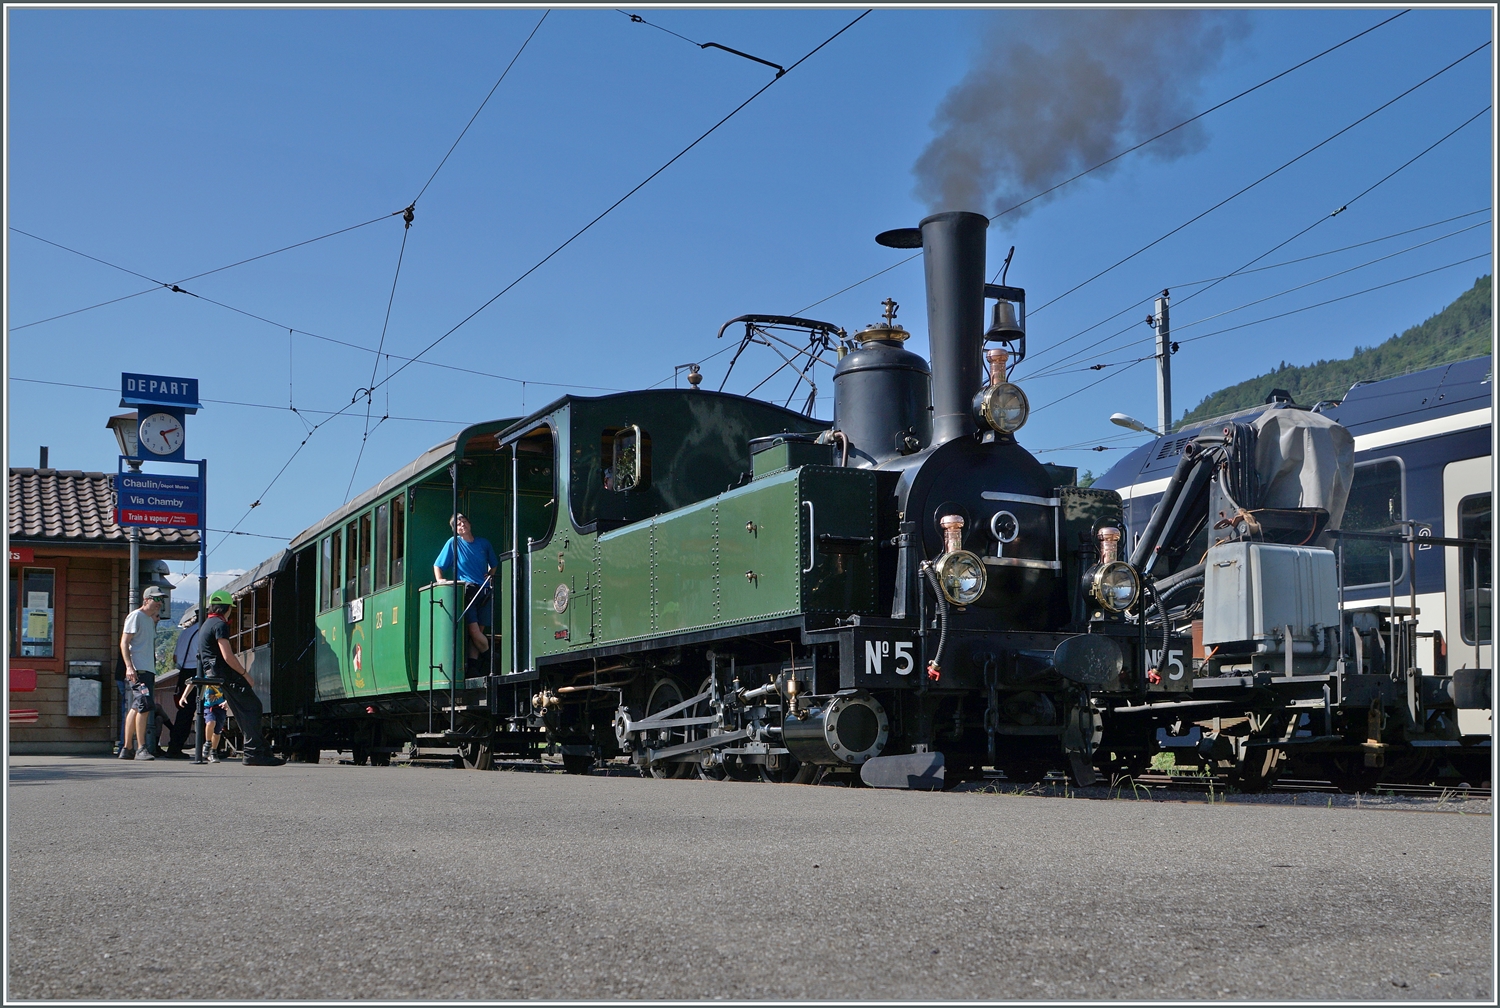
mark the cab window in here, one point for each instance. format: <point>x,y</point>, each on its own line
<point>1377,503</point>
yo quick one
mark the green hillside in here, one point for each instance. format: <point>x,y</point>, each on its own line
<point>1458,332</point>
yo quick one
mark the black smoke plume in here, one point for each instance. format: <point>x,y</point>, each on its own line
<point>1055,92</point>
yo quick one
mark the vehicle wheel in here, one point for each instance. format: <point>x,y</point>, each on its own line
<point>1475,769</point>
<point>706,771</point>
<point>577,765</point>
<point>359,755</point>
<point>380,759</point>
<point>1412,768</point>
<point>1025,773</point>
<point>307,754</point>
<point>665,695</point>
<point>476,756</point>
<point>737,770</point>
<point>1349,774</point>
<point>786,773</point>
<point>808,773</point>
<point>1258,772</point>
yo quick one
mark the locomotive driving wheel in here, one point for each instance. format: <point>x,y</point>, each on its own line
<point>1349,774</point>
<point>704,708</point>
<point>665,695</point>
<point>476,755</point>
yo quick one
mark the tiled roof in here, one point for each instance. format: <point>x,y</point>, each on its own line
<point>66,505</point>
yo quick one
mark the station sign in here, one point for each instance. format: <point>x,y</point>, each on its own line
<point>22,554</point>
<point>159,390</point>
<point>164,501</point>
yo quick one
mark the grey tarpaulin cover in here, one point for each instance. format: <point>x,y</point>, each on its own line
<point>1304,460</point>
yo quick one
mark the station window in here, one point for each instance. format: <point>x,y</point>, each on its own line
<point>364,555</point>
<point>1377,503</point>
<point>34,613</point>
<point>325,575</point>
<point>335,569</point>
<point>629,452</point>
<point>1474,577</point>
<point>398,540</point>
<point>382,547</point>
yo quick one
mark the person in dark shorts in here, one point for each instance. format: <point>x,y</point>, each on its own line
<point>473,562</point>
<point>216,660</point>
<point>138,648</point>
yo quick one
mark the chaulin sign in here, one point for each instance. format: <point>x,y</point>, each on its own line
<point>167,501</point>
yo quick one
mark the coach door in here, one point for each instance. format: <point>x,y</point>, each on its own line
<point>1466,515</point>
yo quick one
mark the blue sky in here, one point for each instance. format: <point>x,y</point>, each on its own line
<point>172,142</point>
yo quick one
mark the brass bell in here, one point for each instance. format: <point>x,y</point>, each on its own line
<point>1003,325</point>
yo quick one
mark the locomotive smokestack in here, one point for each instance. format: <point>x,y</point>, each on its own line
<point>953,247</point>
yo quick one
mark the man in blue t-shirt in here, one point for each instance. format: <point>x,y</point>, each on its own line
<point>476,564</point>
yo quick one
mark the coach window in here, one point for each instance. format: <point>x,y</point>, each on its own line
<point>398,539</point>
<point>325,576</point>
<point>382,547</point>
<point>35,623</point>
<point>364,555</point>
<point>263,615</point>
<point>351,561</point>
<point>1474,523</point>
<point>335,568</point>
<point>1377,503</point>
<point>244,620</point>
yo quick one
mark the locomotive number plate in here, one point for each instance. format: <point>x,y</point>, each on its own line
<point>879,659</point>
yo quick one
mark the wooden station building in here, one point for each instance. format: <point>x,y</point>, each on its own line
<point>68,596</point>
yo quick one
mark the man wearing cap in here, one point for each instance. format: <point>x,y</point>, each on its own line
<point>138,648</point>
<point>216,660</point>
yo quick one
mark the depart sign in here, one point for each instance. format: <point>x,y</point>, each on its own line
<point>159,390</point>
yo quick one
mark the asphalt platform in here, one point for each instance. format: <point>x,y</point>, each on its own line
<point>130,880</point>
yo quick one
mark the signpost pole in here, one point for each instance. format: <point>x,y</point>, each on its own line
<point>202,601</point>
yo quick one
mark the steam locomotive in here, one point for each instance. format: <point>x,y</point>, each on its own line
<point>698,583</point>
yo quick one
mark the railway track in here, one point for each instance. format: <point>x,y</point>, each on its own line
<point>1456,790</point>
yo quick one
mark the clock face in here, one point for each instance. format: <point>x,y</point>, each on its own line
<point>161,434</point>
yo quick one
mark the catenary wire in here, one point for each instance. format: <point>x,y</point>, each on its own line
<point>1269,318</point>
<point>1192,283</point>
<point>1350,203</point>
<point>641,185</point>
<point>1200,115</point>
<point>482,105</point>
<point>1369,189</point>
<point>346,343</point>
<point>1263,178</point>
<point>1057,366</point>
<point>1101,164</point>
<point>551,254</point>
<point>168,286</point>
<point>231,402</point>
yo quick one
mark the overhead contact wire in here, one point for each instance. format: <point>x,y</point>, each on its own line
<point>1263,178</point>
<point>482,104</point>
<point>161,284</point>
<point>579,233</point>
<point>1138,146</point>
<point>1242,269</point>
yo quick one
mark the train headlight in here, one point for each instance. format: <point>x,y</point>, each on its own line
<point>1003,406</point>
<point>1115,586</point>
<point>961,576</point>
